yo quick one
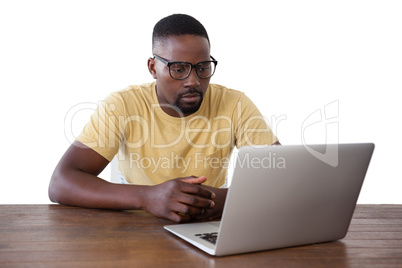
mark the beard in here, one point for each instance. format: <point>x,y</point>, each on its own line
<point>189,107</point>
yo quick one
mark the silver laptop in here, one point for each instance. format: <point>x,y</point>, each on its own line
<point>283,196</point>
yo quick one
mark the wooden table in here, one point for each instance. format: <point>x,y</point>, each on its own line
<point>60,236</point>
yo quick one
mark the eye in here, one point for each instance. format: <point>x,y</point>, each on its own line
<point>178,67</point>
<point>204,67</point>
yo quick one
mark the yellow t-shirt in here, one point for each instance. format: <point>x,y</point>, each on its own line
<point>154,147</point>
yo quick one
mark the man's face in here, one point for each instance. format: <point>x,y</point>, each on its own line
<point>185,95</point>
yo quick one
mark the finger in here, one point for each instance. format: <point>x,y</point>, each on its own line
<point>194,180</point>
<point>187,210</point>
<point>179,218</point>
<point>195,201</point>
<point>197,190</point>
<point>208,214</point>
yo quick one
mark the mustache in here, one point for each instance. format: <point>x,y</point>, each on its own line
<point>191,91</point>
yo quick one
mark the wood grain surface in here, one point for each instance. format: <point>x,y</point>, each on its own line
<point>60,236</point>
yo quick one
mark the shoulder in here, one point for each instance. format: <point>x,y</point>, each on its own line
<point>130,99</point>
<point>217,89</point>
<point>220,93</point>
<point>132,94</point>
<point>134,91</point>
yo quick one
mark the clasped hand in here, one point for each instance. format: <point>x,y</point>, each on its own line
<point>181,199</point>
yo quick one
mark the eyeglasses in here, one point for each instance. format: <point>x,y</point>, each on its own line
<point>180,70</point>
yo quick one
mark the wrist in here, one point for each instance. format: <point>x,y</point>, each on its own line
<point>141,196</point>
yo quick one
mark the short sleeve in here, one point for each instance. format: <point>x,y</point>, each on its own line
<point>102,133</point>
<point>251,128</point>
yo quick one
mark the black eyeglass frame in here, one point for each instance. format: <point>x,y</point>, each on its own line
<point>192,66</point>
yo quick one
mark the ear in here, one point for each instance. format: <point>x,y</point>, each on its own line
<point>151,67</point>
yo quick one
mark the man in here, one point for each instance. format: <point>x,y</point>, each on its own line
<point>173,138</point>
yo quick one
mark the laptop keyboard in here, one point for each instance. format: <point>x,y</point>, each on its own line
<point>210,237</point>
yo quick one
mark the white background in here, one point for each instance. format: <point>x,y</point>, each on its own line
<point>290,57</point>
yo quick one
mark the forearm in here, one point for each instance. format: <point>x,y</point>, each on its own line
<point>77,188</point>
<point>75,183</point>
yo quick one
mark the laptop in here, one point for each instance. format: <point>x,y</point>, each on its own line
<point>284,196</point>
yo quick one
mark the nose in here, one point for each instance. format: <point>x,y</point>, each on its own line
<point>192,80</point>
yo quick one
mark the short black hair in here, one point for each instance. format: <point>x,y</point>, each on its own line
<point>175,25</point>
